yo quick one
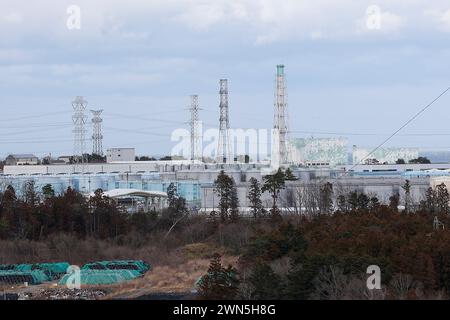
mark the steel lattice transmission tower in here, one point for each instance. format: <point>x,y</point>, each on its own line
<point>79,120</point>
<point>224,147</point>
<point>195,127</point>
<point>97,136</point>
<point>281,118</point>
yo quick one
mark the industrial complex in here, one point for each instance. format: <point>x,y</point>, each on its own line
<point>313,161</point>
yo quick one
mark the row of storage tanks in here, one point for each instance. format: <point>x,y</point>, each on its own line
<point>94,273</point>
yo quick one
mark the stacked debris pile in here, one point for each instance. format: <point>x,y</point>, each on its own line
<point>12,274</point>
<point>63,294</point>
<point>9,296</point>
<point>109,272</point>
<point>137,265</point>
<point>95,273</point>
<point>54,270</point>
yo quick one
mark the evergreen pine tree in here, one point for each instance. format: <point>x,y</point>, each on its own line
<point>219,283</point>
<point>254,197</point>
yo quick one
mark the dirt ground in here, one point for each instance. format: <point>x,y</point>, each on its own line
<point>161,282</point>
<point>179,279</point>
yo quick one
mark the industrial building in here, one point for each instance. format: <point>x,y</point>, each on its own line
<point>120,154</point>
<point>384,155</point>
<point>21,160</point>
<point>313,161</point>
<point>320,151</point>
<point>194,180</point>
<point>408,170</point>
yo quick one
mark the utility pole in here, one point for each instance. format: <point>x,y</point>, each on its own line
<point>97,136</point>
<point>79,120</point>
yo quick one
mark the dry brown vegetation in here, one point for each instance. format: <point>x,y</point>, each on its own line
<point>179,278</point>
<point>173,271</point>
<point>292,257</point>
<point>176,266</point>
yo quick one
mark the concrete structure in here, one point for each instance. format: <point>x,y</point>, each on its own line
<point>310,151</point>
<point>298,193</point>
<point>120,154</point>
<point>388,155</point>
<point>65,159</point>
<point>410,170</point>
<point>21,160</point>
<point>57,162</point>
<point>435,181</point>
<point>88,183</point>
<point>153,200</point>
<point>194,180</point>
<point>108,168</point>
<point>281,148</point>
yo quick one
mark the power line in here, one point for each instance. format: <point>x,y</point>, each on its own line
<point>144,118</point>
<point>15,133</point>
<point>38,125</point>
<point>139,132</point>
<point>399,129</point>
<point>141,118</point>
<point>40,115</point>
<point>35,141</point>
<point>417,134</point>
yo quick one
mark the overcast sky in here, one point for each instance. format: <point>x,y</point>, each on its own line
<point>140,60</point>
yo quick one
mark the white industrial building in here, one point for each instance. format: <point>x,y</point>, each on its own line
<point>120,154</point>
<point>408,169</point>
<point>320,151</point>
<point>21,160</point>
<point>101,168</point>
<point>150,200</point>
<point>384,155</point>
<point>194,179</point>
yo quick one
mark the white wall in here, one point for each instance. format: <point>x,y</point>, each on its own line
<point>120,154</point>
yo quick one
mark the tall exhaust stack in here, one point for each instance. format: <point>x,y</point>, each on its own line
<point>281,118</point>
<point>195,128</point>
<point>224,154</point>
